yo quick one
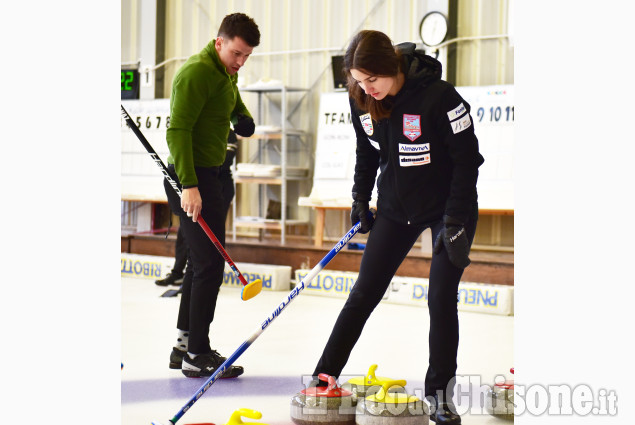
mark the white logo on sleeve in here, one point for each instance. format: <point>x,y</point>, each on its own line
<point>367,123</point>
<point>374,143</point>
<point>456,112</point>
<point>461,124</point>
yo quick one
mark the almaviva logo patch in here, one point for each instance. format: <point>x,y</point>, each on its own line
<point>410,148</point>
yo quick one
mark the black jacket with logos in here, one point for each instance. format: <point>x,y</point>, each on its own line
<point>426,150</point>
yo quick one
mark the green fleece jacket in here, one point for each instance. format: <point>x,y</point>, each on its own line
<point>204,100</point>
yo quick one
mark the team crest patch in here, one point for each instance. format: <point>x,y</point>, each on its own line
<point>411,126</point>
<point>367,123</point>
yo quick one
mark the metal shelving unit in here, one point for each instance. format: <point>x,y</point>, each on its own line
<point>264,174</point>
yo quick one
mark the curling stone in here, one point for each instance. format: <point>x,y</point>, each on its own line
<point>499,400</point>
<point>391,408</point>
<point>363,386</point>
<point>328,405</point>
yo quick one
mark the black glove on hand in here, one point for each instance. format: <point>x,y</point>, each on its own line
<point>360,212</point>
<point>245,126</point>
<point>454,238</point>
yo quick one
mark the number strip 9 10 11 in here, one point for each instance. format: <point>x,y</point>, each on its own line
<point>495,114</point>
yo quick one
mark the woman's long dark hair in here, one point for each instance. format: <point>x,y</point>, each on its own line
<point>372,53</point>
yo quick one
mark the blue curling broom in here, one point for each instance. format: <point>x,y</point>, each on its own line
<point>278,310</point>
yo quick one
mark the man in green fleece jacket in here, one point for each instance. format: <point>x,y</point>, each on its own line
<point>203,103</point>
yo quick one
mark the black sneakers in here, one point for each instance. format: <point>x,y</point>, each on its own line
<point>170,279</point>
<point>206,364</point>
<point>443,412</point>
<point>176,358</point>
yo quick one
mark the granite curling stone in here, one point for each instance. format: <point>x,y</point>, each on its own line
<point>499,400</point>
<point>323,405</point>
<point>391,408</point>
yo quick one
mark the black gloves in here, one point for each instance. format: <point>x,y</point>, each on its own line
<point>453,237</point>
<point>360,212</point>
<point>245,126</point>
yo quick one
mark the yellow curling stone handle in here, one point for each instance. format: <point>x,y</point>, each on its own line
<point>383,396</point>
<point>370,379</point>
<point>236,417</point>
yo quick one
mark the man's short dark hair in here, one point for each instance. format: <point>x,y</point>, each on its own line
<point>240,25</point>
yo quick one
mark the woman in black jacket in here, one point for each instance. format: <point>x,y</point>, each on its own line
<point>417,130</point>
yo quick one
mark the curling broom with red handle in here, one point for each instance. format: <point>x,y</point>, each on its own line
<point>249,290</point>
